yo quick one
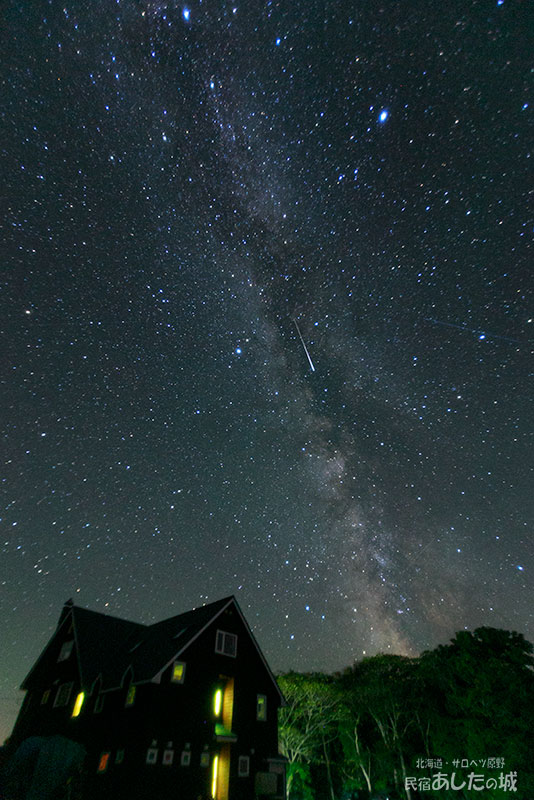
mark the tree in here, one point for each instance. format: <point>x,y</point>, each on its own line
<point>363,730</point>
<point>382,700</point>
<point>482,690</point>
<point>308,726</point>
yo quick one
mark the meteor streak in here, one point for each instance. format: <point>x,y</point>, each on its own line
<point>304,346</point>
<point>481,334</point>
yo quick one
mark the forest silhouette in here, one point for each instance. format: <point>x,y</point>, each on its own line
<point>455,722</point>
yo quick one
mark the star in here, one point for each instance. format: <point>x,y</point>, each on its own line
<point>345,204</point>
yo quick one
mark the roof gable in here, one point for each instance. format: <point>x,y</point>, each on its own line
<point>47,654</point>
<point>202,621</point>
<point>107,646</point>
<point>102,644</point>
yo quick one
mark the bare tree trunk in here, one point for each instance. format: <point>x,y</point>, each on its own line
<point>289,781</point>
<point>403,765</point>
<point>328,770</point>
<point>366,772</point>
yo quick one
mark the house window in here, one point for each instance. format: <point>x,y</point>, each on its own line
<point>168,757</point>
<point>99,704</point>
<point>66,650</point>
<point>214,776</point>
<point>185,758</point>
<point>103,762</point>
<point>261,707</point>
<point>78,703</point>
<point>226,643</point>
<point>130,697</point>
<point>63,695</point>
<point>152,755</point>
<point>243,766</point>
<point>45,697</point>
<point>119,758</point>
<point>278,769</point>
<point>178,672</point>
<point>205,759</point>
<point>217,702</point>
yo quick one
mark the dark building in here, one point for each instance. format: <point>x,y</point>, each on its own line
<point>186,709</point>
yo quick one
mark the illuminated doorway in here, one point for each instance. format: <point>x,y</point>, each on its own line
<point>220,774</point>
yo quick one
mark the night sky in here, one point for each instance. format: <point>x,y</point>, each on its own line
<point>266,326</point>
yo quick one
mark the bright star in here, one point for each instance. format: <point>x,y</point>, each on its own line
<point>238,351</point>
<point>382,117</point>
<point>186,13</point>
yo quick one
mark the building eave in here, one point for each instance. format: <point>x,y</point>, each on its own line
<point>157,677</point>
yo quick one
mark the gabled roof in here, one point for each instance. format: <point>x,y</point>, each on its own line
<point>108,646</point>
<point>101,643</point>
<point>163,641</point>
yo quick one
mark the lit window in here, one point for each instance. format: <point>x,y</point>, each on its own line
<point>217,702</point>
<point>45,697</point>
<point>226,643</point>
<point>104,762</point>
<point>261,707</point>
<point>130,697</point>
<point>168,757</point>
<point>178,672</point>
<point>119,758</point>
<point>99,704</point>
<point>63,695</point>
<point>243,766</point>
<point>185,758</point>
<point>152,755</point>
<point>214,776</point>
<point>66,650</point>
<point>78,703</point>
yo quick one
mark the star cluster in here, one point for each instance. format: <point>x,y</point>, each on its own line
<point>203,202</point>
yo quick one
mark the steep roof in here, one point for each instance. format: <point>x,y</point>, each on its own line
<point>108,646</point>
<point>162,641</point>
<point>101,642</point>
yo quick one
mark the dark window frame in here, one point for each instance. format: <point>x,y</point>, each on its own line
<point>226,643</point>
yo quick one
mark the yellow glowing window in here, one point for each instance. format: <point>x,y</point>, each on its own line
<point>104,761</point>
<point>214,776</point>
<point>261,707</point>
<point>217,702</point>
<point>78,703</point>
<point>130,697</point>
<point>178,672</point>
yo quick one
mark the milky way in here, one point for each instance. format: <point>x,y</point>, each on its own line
<point>203,202</point>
